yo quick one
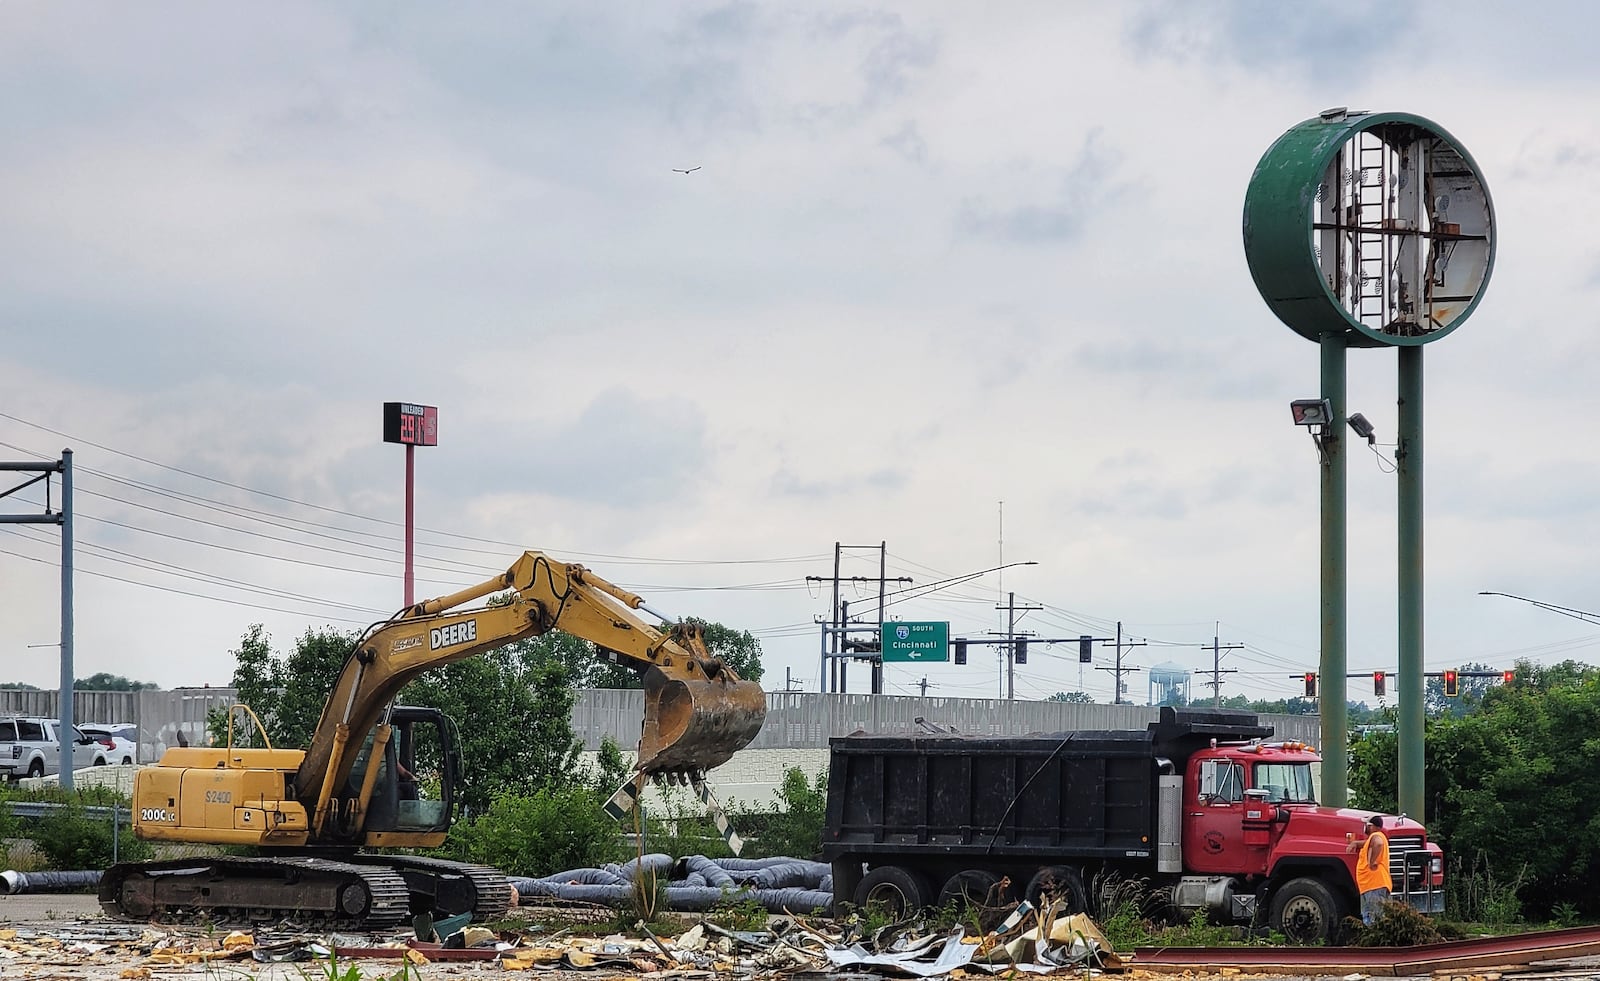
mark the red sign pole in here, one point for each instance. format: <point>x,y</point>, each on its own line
<point>411,459</point>
<point>412,426</point>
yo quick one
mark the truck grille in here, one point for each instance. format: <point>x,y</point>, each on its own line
<point>1399,849</point>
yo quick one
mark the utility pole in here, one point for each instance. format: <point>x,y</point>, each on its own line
<point>1217,671</point>
<point>42,471</point>
<point>923,684</point>
<point>836,649</point>
<point>1119,669</point>
<point>1011,635</point>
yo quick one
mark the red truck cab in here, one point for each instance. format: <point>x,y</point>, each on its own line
<point>1250,811</point>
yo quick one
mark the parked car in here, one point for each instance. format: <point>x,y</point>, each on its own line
<point>121,740</point>
<point>29,747</point>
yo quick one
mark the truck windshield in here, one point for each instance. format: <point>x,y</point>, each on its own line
<point>1285,782</point>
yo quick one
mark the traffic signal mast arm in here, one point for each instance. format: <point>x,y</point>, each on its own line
<point>1451,677</point>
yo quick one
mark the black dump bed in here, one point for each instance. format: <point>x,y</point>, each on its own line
<point>1086,793</point>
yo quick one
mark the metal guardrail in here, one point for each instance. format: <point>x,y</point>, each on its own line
<point>43,809</point>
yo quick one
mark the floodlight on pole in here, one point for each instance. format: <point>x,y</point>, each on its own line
<point>1311,412</point>
<point>1317,416</point>
<point>1363,428</point>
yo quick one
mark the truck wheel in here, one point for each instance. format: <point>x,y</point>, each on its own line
<point>901,892</point>
<point>979,892</point>
<point>36,768</point>
<point>1064,883</point>
<point>99,761</point>
<point>1305,911</point>
<point>973,887</point>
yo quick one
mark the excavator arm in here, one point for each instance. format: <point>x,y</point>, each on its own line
<point>698,712</point>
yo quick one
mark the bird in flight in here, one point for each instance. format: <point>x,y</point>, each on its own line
<point>689,171</point>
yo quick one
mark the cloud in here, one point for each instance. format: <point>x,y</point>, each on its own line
<point>1089,185</point>
<point>789,483</point>
<point>1259,35</point>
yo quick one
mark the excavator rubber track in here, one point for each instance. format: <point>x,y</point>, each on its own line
<point>446,888</point>
<point>313,893</point>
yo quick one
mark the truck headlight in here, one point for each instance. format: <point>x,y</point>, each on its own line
<point>1436,866</point>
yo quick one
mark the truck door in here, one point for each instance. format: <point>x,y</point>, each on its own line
<point>1213,834</point>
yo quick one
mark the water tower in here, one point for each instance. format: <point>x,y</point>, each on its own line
<point>1169,684</point>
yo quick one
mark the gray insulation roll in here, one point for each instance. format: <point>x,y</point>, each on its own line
<point>774,883</point>
<point>20,882</point>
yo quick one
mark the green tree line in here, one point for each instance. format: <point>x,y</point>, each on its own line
<point>1512,786</point>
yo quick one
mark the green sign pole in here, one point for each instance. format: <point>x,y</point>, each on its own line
<point>1332,709</point>
<point>1408,460</point>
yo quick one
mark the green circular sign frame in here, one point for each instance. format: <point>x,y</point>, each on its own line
<point>1285,200</point>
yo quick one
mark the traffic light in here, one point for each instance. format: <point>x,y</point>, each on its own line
<point>1022,650</point>
<point>1085,649</point>
<point>1311,684</point>
<point>1452,683</point>
<point>1507,677</point>
<point>961,651</point>
<point>1378,683</point>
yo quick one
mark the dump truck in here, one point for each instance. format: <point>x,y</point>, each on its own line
<point>1202,806</point>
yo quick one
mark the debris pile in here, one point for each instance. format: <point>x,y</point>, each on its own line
<point>855,947</point>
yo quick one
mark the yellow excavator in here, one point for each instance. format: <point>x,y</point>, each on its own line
<point>313,815</point>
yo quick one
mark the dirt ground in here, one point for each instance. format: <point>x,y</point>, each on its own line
<point>48,937</point>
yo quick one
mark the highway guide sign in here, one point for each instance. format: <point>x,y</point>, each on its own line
<point>913,640</point>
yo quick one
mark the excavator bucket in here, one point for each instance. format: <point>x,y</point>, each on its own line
<point>697,724</point>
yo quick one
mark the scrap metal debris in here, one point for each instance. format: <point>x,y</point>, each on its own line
<point>799,945</point>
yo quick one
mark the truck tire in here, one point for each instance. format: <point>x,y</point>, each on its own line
<point>36,769</point>
<point>972,887</point>
<point>978,892</point>
<point>1305,911</point>
<point>1064,883</point>
<point>899,891</point>
<point>99,761</point>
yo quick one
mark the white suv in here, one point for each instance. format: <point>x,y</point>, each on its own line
<point>120,739</point>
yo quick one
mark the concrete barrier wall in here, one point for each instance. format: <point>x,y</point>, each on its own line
<point>797,729</point>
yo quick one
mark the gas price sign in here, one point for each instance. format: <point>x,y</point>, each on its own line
<point>409,423</point>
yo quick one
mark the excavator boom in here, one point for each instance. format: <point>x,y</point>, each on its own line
<point>698,711</point>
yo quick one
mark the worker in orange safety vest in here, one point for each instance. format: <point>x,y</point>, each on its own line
<point>1373,881</point>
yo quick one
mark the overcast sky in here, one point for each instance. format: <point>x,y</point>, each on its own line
<point>937,256</point>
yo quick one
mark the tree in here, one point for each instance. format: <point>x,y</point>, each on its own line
<point>739,649</point>
<point>286,693</point>
<point>1471,692</point>
<point>1074,697</point>
<point>1509,787</point>
<point>512,706</point>
<point>513,709</point>
<point>105,681</point>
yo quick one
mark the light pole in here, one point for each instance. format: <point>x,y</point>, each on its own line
<point>1565,611</point>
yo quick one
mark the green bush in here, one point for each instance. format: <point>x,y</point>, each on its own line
<point>550,830</point>
<point>73,840</point>
<point>1397,925</point>
<point>793,828</point>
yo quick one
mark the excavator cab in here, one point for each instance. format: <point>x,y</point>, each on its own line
<point>415,788</point>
